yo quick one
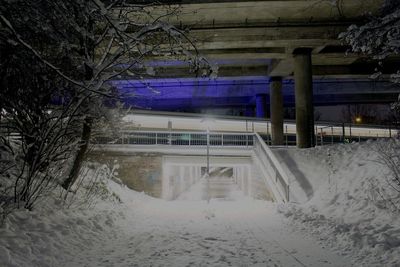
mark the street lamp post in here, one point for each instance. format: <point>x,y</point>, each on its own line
<point>208,164</point>
<point>208,121</point>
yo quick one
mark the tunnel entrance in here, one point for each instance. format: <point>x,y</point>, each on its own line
<point>231,178</point>
<point>221,185</point>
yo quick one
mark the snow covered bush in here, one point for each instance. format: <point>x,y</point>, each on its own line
<point>92,186</point>
<point>37,138</point>
<point>389,156</point>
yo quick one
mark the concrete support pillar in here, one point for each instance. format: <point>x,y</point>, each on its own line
<point>276,105</point>
<point>304,98</point>
<point>261,106</point>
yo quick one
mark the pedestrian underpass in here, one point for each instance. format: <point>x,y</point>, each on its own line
<point>174,166</point>
<point>185,177</point>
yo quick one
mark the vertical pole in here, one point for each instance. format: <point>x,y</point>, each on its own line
<point>343,133</point>
<point>169,134</point>
<point>208,165</point>
<point>288,193</point>
<point>331,135</point>
<point>286,135</point>
<point>350,131</point>
<point>322,138</point>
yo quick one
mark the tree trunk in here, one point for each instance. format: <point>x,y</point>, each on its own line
<point>76,167</point>
<point>87,49</point>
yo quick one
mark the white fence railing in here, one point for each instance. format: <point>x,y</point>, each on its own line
<point>179,139</point>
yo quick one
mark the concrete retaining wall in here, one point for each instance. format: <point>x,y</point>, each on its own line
<point>139,171</point>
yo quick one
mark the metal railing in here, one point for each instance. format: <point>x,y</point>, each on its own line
<point>179,139</point>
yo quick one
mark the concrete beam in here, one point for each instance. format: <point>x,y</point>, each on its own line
<point>258,12</point>
<point>275,38</point>
<point>281,68</point>
<point>276,31</point>
<point>234,102</point>
<point>323,64</point>
<point>184,72</point>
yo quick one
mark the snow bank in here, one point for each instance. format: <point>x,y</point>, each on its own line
<point>337,194</point>
<point>54,235</point>
<point>344,192</point>
<point>50,236</point>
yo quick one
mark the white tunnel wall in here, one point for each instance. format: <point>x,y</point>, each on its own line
<point>180,173</point>
<point>242,177</point>
<point>178,179</point>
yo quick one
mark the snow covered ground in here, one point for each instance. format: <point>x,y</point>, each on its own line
<point>335,222</point>
<point>145,231</point>
<point>339,191</point>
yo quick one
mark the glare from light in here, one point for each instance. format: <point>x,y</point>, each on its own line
<point>208,122</point>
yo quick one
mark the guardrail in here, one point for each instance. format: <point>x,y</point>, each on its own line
<point>179,139</point>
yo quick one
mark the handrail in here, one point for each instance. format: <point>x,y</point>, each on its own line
<point>272,168</point>
<point>185,132</point>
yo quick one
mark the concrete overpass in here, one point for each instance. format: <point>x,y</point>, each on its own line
<point>190,94</point>
<point>279,40</point>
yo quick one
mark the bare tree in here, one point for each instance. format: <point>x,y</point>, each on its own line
<point>63,53</point>
<point>366,113</point>
<point>379,38</point>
